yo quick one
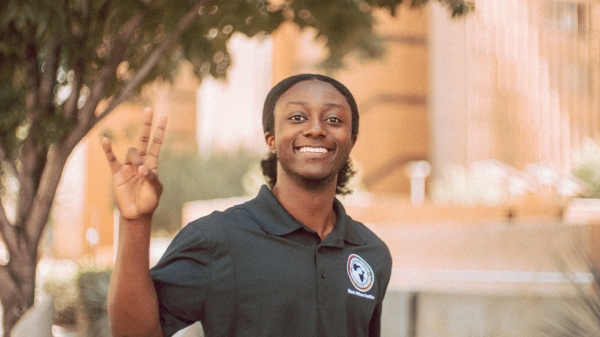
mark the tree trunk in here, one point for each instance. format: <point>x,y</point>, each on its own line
<point>18,287</point>
<point>11,313</point>
<point>18,277</point>
<point>10,318</point>
<point>11,304</point>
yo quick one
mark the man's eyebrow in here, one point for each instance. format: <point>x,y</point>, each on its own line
<point>335,105</point>
<point>302,103</point>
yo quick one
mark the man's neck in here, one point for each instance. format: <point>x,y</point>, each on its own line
<point>312,207</point>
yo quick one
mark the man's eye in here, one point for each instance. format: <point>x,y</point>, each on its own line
<point>297,118</point>
<point>334,120</point>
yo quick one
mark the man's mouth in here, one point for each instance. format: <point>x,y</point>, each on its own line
<point>310,149</point>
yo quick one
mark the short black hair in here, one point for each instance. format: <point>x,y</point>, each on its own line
<point>269,163</point>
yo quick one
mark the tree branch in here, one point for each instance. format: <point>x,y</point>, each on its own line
<point>114,58</point>
<point>152,60</point>
<point>80,24</point>
<point>9,288</point>
<point>33,158</point>
<point>33,162</point>
<point>32,71</point>
<point>7,232</point>
<point>12,169</point>
<point>42,202</point>
<point>48,77</point>
<point>87,112</point>
<point>11,297</point>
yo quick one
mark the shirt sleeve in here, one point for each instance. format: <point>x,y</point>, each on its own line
<point>386,271</point>
<point>375,324</point>
<point>182,279</point>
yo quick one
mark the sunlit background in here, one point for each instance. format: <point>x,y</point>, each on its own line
<point>478,159</point>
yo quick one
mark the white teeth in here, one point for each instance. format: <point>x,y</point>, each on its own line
<point>313,149</point>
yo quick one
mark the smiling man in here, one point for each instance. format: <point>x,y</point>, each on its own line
<point>289,262</point>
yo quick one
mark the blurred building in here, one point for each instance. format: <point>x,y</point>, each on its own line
<point>502,98</point>
<point>516,82</point>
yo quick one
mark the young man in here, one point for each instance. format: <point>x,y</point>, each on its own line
<point>288,263</point>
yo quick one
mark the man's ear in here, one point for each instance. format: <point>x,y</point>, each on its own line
<point>270,140</point>
<point>354,138</point>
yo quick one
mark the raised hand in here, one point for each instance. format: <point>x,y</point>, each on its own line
<point>137,188</point>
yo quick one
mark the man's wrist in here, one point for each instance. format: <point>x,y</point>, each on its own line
<point>141,220</point>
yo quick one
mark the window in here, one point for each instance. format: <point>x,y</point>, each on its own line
<point>567,16</point>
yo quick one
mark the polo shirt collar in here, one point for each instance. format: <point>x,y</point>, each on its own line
<point>266,210</point>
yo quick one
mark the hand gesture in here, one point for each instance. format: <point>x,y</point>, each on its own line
<point>137,188</point>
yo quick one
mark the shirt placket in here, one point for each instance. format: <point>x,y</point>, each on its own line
<point>322,279</point>
<point>327,255</point>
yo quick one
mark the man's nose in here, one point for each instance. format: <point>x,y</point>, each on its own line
<point>315,128</point>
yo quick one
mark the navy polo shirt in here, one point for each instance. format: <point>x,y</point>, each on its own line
<point>253,270</point>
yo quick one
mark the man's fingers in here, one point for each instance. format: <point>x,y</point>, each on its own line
<point>148,174</point>
<point>142,146</point>
<point>157,140</point>
<point>151,177</point>
<point>133,157</point>
<point>110,156</point>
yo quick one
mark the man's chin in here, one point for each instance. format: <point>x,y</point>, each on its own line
<point>313,180</point>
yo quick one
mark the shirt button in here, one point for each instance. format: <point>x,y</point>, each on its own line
<point>323,274</point>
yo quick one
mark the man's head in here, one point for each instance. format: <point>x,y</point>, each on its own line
<point>283,86</point>
<point>269,164</point>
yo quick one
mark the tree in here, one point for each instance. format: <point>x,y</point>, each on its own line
<point>62,59</point>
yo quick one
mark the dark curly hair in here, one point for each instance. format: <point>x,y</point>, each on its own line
<point>269,163</point>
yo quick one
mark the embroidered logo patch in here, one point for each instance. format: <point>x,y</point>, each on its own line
<point>360,273</point>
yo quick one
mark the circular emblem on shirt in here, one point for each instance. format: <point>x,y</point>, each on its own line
<point>360,273</point>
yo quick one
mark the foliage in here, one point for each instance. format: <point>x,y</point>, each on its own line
<point>579,316</point>
<point>64,292</point>
<point>81,300</point>
<point>586,167</point>
<point>188,177</point>
<point>79,52</point>
<point>92,288</point>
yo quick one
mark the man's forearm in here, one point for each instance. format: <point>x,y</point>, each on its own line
<point>132,301</point>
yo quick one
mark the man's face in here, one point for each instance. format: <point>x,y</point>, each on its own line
<point>313,132</point>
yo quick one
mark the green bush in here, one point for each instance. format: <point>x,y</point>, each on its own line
<point>586,167</point>
<point>81,301</point>
<point>92,287</point>
<point>188,177</point>
<point>65,294</point>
